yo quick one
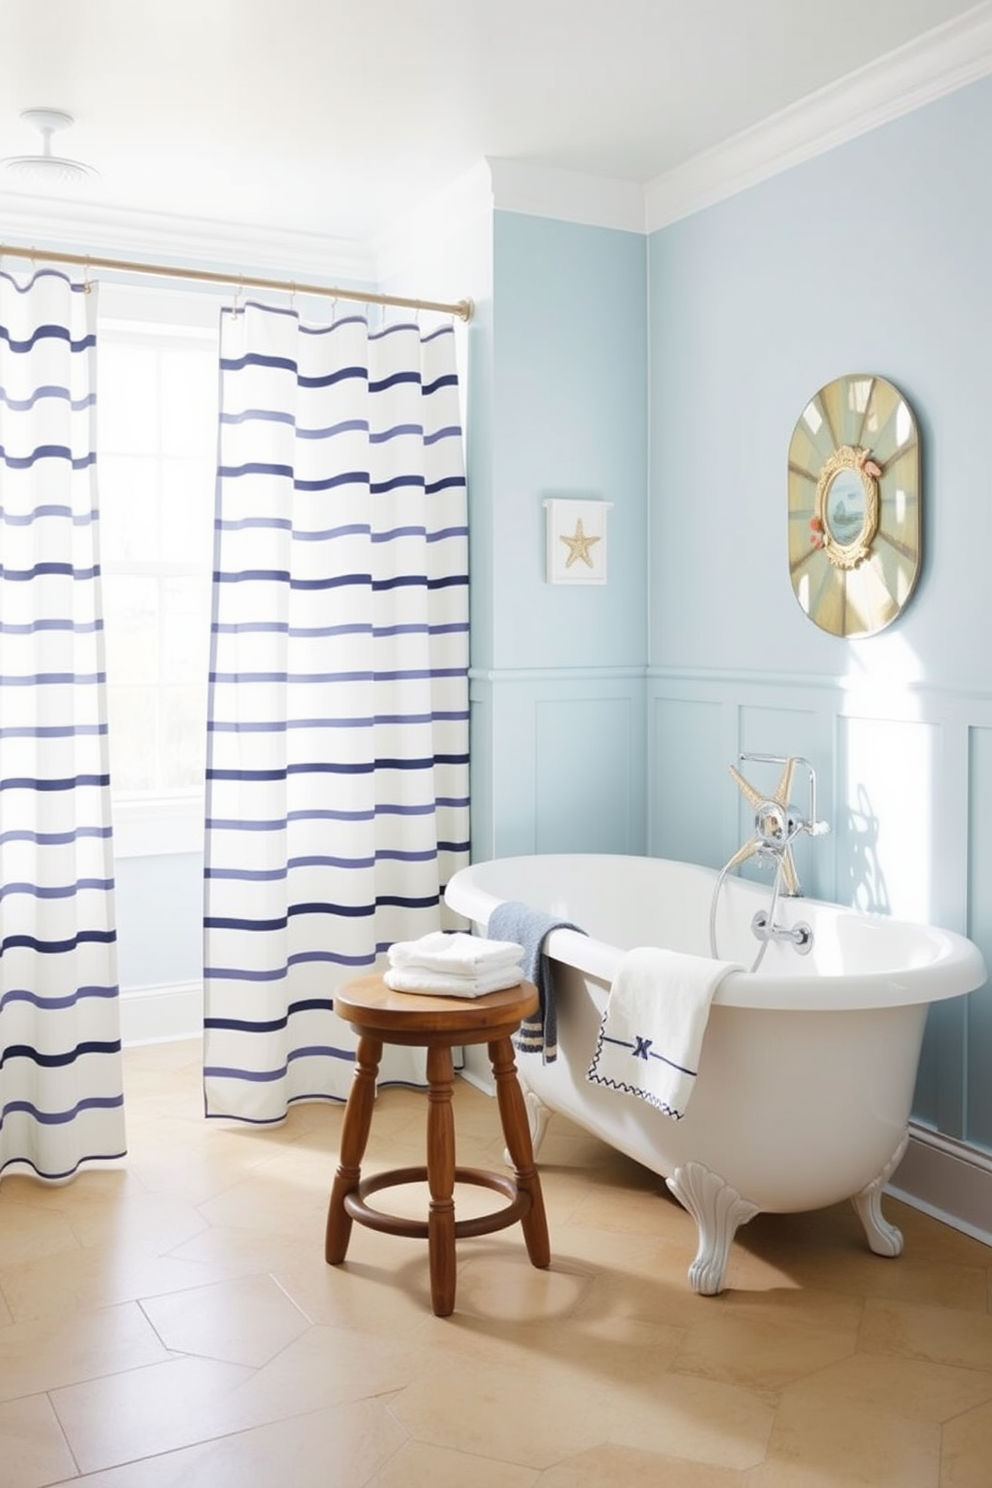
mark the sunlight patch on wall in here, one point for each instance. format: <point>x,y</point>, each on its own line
<point>886,783</point>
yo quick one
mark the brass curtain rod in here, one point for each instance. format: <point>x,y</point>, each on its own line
<point>462,308</point>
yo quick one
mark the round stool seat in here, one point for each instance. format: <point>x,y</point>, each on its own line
<point>438,1023</point>
<point>416,1017</point>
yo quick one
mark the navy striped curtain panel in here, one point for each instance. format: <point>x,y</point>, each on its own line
<point>337,779</point>
<point>61,1096</point>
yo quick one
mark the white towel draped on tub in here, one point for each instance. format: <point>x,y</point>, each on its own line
<point>653,1026</point>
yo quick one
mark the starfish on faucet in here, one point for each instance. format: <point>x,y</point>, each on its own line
<point>770,825</point>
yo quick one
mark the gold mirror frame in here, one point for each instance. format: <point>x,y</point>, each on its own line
<point>854,506</point>
<point>847,554</point>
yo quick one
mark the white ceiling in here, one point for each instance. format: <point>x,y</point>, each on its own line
<point>335,117</point>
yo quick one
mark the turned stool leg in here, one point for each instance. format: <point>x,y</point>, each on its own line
<point>354,1139</point>
<point>513,1115</point>
<point>441,1179</point>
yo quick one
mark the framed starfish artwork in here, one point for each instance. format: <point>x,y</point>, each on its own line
<point>576,541</point>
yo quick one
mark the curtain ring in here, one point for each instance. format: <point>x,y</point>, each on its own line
<point>236,307</point>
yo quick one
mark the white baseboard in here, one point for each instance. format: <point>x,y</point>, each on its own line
<point>476,1069</point>
<point>158,1015</point>
<point>948,1180</point>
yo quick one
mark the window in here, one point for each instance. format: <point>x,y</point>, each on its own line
<point>156,458</point>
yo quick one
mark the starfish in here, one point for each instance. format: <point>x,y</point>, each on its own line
<point>578,546</point>
<point>769,825</point>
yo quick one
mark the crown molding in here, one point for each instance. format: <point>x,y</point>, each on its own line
<point>72,226</point>
<point>567,196</point>
<point>945,59</point>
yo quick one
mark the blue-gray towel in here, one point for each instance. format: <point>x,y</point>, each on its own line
<point>528,927</point>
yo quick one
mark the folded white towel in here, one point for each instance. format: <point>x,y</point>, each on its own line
<point>416,979</point>
<point>457,954</point>
<point>653,1026</point>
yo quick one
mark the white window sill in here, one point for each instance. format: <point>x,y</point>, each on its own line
<point>157,826</point>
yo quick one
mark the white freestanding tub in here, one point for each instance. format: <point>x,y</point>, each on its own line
<point>808,1064</point>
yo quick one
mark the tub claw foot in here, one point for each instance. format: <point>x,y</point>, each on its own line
<point>884,1239</point>
<point>719,1211</point>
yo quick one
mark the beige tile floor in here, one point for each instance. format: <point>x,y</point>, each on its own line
<point>171,1321</point>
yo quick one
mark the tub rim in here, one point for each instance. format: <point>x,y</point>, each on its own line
<point>955,968</point>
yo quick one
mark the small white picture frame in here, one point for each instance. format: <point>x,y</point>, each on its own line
<point>576,541</point>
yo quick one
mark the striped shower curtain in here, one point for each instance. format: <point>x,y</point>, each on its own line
<point>61,1097</point>
<point>337,778</point>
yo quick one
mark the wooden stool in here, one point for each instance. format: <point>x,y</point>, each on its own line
<point>378,1015</point>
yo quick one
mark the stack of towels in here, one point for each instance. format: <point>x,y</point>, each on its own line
<point>453,965</point>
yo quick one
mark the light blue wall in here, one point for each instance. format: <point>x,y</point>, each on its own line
<point>875,257</point>
<point>569,409</point>
<point>558,670</point>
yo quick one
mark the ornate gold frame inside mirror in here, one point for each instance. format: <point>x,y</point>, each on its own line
<point>854,505</point>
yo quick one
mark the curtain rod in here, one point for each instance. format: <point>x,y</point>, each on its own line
<point>462,308</point>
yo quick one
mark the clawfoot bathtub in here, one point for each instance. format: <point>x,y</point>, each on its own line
<point>808,1064</point>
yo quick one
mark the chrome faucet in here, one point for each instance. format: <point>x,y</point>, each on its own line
<point>792,821</point>
<point>777,822</point>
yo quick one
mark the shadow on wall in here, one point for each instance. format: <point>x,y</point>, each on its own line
<point>860,880</point>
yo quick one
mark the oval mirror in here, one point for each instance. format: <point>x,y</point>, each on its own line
<point>854,506</point>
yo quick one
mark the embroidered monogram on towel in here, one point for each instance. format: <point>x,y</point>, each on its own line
<point>652,1030</point>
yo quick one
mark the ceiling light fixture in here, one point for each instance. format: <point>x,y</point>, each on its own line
<point>47,169</point>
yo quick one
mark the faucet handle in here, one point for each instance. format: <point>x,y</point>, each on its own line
<point>811,826</point>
